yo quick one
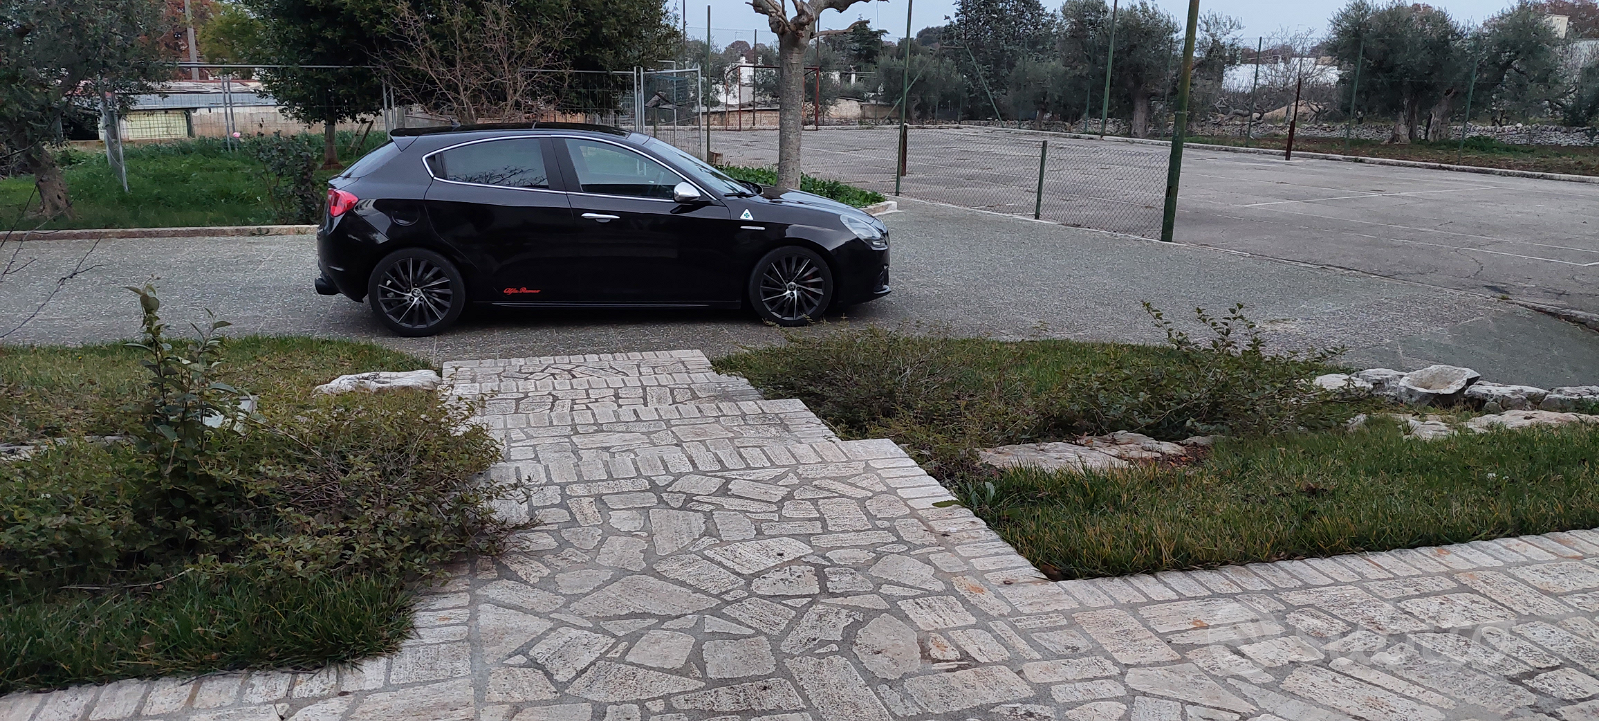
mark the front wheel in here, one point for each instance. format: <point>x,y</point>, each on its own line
<point>791,286</point>
<point>415,292</point>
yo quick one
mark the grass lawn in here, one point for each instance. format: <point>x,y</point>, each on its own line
<point>321,517</point>
<point>1301,487</point>
<point>201,183</point>
<point>170,185</point>
<point>1481,152</point>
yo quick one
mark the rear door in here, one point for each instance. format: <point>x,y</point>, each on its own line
<point>497,203</point>
<point>634,243</point>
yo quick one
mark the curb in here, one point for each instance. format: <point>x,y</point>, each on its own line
<point>883,208</point>
<point>1505,172</point>
<point>223,231</point>
<point>1579,317</point>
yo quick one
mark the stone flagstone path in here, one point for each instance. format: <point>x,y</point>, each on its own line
<point>704,553</point>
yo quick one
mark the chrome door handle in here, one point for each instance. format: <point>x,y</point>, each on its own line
<point>601,217</point>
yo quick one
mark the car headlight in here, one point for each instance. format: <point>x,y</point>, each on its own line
<point>869,231</point>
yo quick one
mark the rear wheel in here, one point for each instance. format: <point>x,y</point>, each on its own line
<point>415,292</point>
<point>791,286</point>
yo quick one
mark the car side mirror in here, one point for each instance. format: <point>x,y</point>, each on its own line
<point>685,192</point>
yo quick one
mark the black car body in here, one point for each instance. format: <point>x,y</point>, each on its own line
<point>581,216</point>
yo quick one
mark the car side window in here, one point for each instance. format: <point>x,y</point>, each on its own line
<point>610,170</point>
<point>516,163</point>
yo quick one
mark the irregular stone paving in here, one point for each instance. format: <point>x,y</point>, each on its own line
<point>706,554</point>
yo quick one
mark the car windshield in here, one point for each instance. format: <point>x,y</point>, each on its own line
<point>702,171</point>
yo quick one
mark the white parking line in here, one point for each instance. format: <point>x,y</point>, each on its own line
<point>1371,195</point>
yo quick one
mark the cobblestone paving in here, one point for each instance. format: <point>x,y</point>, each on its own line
<point>704,554</point>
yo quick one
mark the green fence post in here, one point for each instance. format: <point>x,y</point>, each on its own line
<point>1174,167</point>
<point>1465,124</point>
<point>708,81</point>
<point>904,98</point>
<point>1349,127</point>
<point>1038,199</point>
<point>1110,61</point>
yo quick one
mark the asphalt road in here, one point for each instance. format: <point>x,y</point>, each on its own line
<point>969,272</point>
<point>1528,239</point>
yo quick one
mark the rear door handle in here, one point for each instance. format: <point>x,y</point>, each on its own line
<point>601,217</point>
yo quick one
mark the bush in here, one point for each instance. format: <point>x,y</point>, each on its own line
<point>289,171</point>
<point>831,189</point>
<point>943,397</point>
<point>354,484</point>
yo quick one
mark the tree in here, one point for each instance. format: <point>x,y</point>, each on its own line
<point>1583,107</point>
<point>863,44</point>
<point>997,34</point>
<point>301,34</point>
<point>64,58</point>
<point>1145,43</point>
<point>1036,88</point>
<point>936,81</point>
<point>1519,67</point>
<point>794,33</point>
<point>1582,16</point>
<point>1410,56</point>
<point>231,36</point>
<point>474,62</point>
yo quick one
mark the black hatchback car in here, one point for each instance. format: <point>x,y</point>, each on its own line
<point>562,215</point>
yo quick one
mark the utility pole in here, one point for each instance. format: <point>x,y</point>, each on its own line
<point>1110,61</point>
<point>1249,129</point>
<point>904,98</point>
<point>1349,127</point>
<point>194,53</point>
<point>1174,167</point>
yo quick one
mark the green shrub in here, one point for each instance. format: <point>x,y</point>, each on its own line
<point>387,484</point>
<point>942,397</point>
<point>831,189</point>
<point>289,170</point>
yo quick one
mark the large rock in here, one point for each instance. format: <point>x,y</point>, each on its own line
<point>1436,384</point>
<point>1498,397</point>
<point>1050,457</point>
<point>425,379</point>
<point>1570,398</point>
<point>1511,420</point>
<point>1130,446</point>
<point>1342,383</point>
<point>1384,381</point>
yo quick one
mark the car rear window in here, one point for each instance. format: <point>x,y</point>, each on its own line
<point>513,163</point>
<point>372,161</point>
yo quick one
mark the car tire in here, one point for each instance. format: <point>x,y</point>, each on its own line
<point>415,292</point>
<point>791,286</point>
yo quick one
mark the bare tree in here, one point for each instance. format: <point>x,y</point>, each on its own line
<point>794,34</point>
<point>484,62</point>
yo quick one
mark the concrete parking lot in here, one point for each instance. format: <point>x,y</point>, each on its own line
<point>1526,239</point>
<point>973,273</point>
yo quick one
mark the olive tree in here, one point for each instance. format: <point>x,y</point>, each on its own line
<point>1145,44</point>
<point>794,29</point>
<point>65,58</point>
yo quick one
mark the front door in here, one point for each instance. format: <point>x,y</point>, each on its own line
<point>494,202</point>
<point>634,243</point>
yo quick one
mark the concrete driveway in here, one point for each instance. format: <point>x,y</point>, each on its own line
<point>969,272</point>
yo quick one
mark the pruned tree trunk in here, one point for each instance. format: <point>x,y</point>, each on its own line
<point>53,199</point>
<point>1140,122</point>
<point>330,146</point>
<point>790,106</point>
<point>1438,126</point>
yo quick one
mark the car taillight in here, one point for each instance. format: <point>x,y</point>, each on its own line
<point>339,202</point>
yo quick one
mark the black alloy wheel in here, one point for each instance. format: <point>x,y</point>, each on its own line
<point>416,292</point>
<point>791,286</point>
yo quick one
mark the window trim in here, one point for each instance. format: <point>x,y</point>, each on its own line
<point>428,166</point>
<point>631,149</point>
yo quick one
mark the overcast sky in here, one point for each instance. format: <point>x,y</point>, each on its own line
<point>733,20</point>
